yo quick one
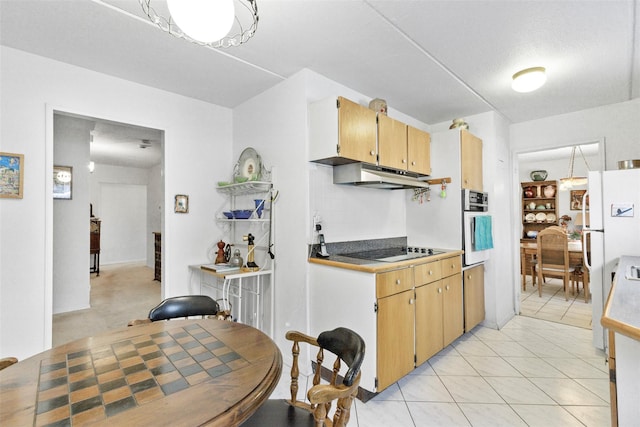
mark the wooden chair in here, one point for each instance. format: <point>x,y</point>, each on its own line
<point>184,306</point>
<point>553,258</point>
<point>579,274</point>
<point>349,348</point>
<point>5,362</point>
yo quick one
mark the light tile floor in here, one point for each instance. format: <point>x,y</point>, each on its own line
<point>553,306</point>
<point>532,372</point>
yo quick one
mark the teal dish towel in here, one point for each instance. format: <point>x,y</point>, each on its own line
<point>483,237</point>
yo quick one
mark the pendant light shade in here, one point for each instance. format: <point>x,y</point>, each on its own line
<point>529,80</point>
<point>573,181</point>
<point>203,20</point>
<point>211,23</point>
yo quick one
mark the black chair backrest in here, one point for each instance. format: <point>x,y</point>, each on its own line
<point>185,306</point>
<point>348,346</point>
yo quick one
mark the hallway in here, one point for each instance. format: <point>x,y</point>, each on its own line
<point>121,293</point>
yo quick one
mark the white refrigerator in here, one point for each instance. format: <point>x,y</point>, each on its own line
<point>614,229</point>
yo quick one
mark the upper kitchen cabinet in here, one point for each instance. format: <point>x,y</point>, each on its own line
<point>342,131</point>
<point>392,143</point>
<point>419,151</point>
<point>471,160</point>
<point>458,153</point>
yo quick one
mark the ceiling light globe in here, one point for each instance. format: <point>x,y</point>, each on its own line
<point>529,80</point>
<point>204,20</point>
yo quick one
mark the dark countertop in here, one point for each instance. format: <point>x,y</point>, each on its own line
<point>369,266</point>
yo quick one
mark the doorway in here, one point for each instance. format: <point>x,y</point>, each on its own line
<point>555,162</point>
<point>117,178</point>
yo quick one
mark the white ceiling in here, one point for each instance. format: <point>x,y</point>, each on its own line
<point>433,60</point>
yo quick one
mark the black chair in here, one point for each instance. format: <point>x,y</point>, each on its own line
<point>348,347</point>
<point>184,306</point>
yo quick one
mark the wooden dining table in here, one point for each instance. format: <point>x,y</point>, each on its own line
<point>178,372</point>
<point>529,249</point>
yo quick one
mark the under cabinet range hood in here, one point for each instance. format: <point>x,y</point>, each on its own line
<point>366,175</point>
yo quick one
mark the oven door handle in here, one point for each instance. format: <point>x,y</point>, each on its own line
<point>472,230</point>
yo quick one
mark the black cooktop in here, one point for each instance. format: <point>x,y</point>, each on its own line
<point>395,254</point>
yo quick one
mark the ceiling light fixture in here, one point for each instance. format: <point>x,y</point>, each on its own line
<point>572,181</point>
<point>220,23</point>
<point>529,79</point>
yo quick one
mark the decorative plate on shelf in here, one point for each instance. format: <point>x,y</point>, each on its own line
<point>530,217</point>
<point>541,216</point>
<point>249,166</point>
<point>551,217</point>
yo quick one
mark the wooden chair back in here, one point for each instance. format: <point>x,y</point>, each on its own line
<point>349,349</point>
<point>5,362</point>
<point>553,256</point>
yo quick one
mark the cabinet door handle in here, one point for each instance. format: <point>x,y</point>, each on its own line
<point>404,160</point>
<point>439,290</point>
<point>413,163</point>
<point>430,272</point>
<point>397,281</point>
<point>373,153</point>
<point>452,266</point>
<point>469,277</point>
<point>410,301</point>
<point>447,287</point>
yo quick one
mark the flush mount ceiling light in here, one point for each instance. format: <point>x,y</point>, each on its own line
<point>572,181</point>
<point>219,23</point>
<point>529,80</point>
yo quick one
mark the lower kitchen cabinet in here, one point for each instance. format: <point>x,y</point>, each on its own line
<point>473,297</point>
<point>452,310</point>
<point>395,337</point>
<point>405,316</point>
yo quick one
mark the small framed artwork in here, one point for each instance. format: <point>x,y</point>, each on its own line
<point>62,182</point>
<point>11,175</point>
<point>576,200</point>
<point>182,204</point>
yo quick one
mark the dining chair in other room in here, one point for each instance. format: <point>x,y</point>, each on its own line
<point>181,307</point>
<point>553,258</point>
<point>5,362</point>
<point>579,274</point>
<point>348,347</point>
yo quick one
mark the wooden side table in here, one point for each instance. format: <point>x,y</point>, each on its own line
<point>157,271</point>
<point>94,245</point>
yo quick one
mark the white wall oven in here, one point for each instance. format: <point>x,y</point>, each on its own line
<point>477,232</point>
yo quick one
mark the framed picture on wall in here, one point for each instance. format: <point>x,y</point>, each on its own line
<point>11,175</point>
<point>182,203</point>
<point>62,182</point>
<point>576,200</point>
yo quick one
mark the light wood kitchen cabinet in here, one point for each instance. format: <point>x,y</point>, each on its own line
<point>473,280</point>
<point>439,307</point>
<point>471,161</point>
<point>392,143</point>
<point>418,151</point>
<point>395,322</point>
<point>452,308</point>
<point>405,315</point>
<point>342,131</point>
<point>429,330</point>
<point>396,312</point>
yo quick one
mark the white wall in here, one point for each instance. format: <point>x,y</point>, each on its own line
<point>198,140</point>
<point>618,124</point>
<point>116,245</point>
<point>71,218</point>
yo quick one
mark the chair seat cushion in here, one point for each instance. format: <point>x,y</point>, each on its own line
<point>277,412</point>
